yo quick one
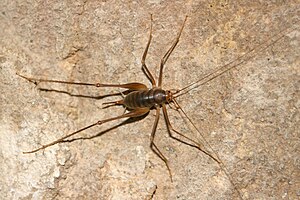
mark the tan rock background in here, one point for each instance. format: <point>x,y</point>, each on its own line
<point>248,115</point>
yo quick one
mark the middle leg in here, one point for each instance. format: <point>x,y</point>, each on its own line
<point>153,146</point>
<point>194,143</point>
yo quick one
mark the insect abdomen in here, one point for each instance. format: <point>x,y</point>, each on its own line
<point>145,98</point>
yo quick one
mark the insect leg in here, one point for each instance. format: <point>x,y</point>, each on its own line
<point>215,157</point>
<point>134,113</point>
<point>131,86</point>
<point>194,143</point>
<point>168,53</point>
<point>153,146</point>
<point>144,67</point>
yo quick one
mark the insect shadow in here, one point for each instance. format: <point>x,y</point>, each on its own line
<point>138,100</point>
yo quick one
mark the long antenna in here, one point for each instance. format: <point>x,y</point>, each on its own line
<point>233,64</point>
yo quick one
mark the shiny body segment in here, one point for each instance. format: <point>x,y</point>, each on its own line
<point>145,98</point>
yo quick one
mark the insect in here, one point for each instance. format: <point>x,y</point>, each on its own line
<point>140,99</point>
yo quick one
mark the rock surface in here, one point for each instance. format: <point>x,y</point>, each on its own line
<point>248,115</point>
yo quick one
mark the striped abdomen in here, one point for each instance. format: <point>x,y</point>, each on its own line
<point>145,98</point>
